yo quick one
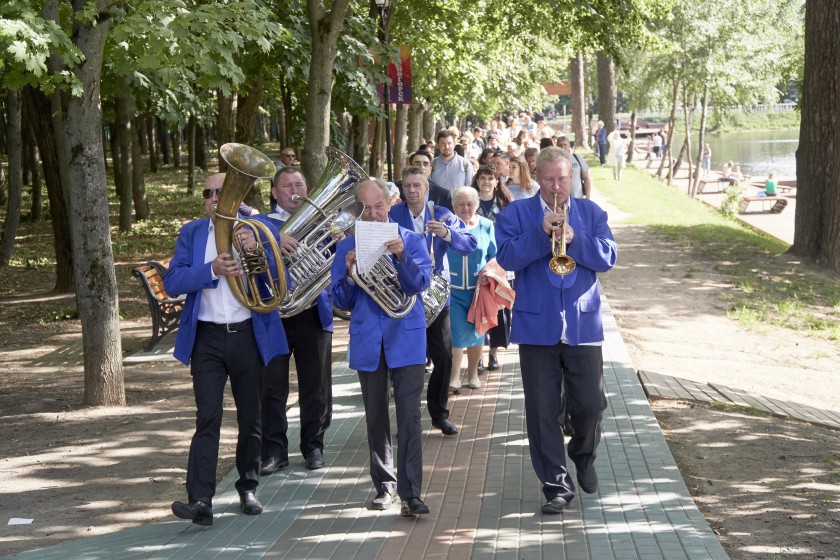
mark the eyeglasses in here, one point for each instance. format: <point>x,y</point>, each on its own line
<point>421,163</point>
<point>208,193</point>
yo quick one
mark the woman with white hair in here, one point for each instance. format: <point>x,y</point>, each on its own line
<point>465,275</point>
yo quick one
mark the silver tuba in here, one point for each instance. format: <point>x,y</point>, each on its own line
<point>435,297</point>
<point>329,208</point>
<point>383,286</point>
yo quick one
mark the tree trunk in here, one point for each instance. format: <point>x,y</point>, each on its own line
<point>125,113</point>
<point>428,124</point>
<point>282,137</point>
<point>191,155</point>
<point>140,124</point>
<point>163,141</point>
<point>151,140</point>
<point>685,152</point>
<point>817,221</point>
<point>631,135</point>
<point>247,111</point>
<point>14,149</point>
<point>577,81</point>
<point>325,26</point>
<point>138,179</point>
<point>35,212</point>
<point>377,152</point>
<point>286,97</point>
<point>175,138</point>
<point>666,149</point>
<point>346,120</point>
<point>96,282</point>
<point>200,148</point>
<point>114,141</point>
<point>606,91</point>
<point>40,109</point>
<point>704,104</point>
<point>415,127</point>
<point>360,142</point>
<point>400,138</point>
<point>225,122</point>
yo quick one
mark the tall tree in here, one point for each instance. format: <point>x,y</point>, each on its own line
<point>578,112</point>
<point>817,231</point>
<point>325,25</point>
<point>606,90</point>
<point>15,153</point>
<point>96,282</point>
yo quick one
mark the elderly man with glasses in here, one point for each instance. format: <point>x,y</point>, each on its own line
<point>287,158</point>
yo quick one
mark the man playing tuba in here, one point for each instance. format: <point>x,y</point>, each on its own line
<point>219,338</point>
<point>309,336</point>
<point>378,342</point>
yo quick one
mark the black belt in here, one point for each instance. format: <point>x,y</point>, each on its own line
<point>227,327</point>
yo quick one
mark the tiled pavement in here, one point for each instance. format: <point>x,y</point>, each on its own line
<point>480,486</point>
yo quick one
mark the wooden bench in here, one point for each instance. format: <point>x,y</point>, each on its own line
<point>779,203</point>
<point>165,310</point>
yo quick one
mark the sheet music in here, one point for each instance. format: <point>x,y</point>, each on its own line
<point>370,242</point>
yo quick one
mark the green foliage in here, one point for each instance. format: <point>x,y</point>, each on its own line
<point>63,314</point>
<point>26,43</point>
<point>731,199</point>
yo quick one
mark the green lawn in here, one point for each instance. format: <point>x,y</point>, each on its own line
<point>768,286</point>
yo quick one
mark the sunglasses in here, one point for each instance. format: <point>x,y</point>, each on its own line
<point>289,155</point>
<point>208,193</point>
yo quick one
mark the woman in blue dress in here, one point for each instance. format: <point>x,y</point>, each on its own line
<point>464,274</point>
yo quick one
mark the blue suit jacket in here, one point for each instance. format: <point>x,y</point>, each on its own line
<point>542,296</point>
<point>370,327</point>
<point>189,274</point>
<point>463,242</point>
<point>323,301</point>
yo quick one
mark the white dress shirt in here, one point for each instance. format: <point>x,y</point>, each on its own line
<point>219,305</point>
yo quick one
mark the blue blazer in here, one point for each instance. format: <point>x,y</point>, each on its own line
<point>463,242</point>
<point>323,301</point>
<point>371,328</point>
<point>542,297</point>
<point>189,274</point>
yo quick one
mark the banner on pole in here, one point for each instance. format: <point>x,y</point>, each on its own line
<point>400,75</point>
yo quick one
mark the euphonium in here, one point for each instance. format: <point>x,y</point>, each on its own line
<point>383,285</point>
<point>561,263</point>
<point>245,164</point>
<point>435,297</point>
<point>329,208</point>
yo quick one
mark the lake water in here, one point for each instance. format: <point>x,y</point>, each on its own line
<point>757,152</point>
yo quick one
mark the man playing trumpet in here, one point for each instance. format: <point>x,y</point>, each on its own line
<point>557,322</point>
<point>379,342</point>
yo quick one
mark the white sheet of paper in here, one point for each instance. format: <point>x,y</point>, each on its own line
<point>370,242</point>
<point>19,521</point>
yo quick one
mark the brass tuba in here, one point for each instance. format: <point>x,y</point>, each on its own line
<point>383,286</point>
<point>245,164</point>
<point>329,208</point>
<point>435,297</point>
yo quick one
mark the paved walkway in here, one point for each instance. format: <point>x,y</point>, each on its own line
<point>480,486</point>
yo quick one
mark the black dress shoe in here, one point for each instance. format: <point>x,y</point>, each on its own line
<point>481,366</point>
<point>493,364</point>
<point>272,465</point>
<point>555,505</point>
<point>587,479</point>
<point>414,506</point>
<point>568,431</point>
<point>250,504</point>
<point>445,426</point>
<point>382,501</point>
<point>314,459</point>
<point>199,512</point>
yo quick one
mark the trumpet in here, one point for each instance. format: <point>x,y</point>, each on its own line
<point>560,263</point>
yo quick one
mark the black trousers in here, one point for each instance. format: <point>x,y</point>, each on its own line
<point>216,356</point>
<point>408,385</point>
<point>544,370</point>
<point>312,349</point>
<point>439,349</point>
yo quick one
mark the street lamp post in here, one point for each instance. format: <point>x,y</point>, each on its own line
<point>383,6</point>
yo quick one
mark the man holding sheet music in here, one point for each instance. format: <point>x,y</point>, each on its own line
<point>379,342</point>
